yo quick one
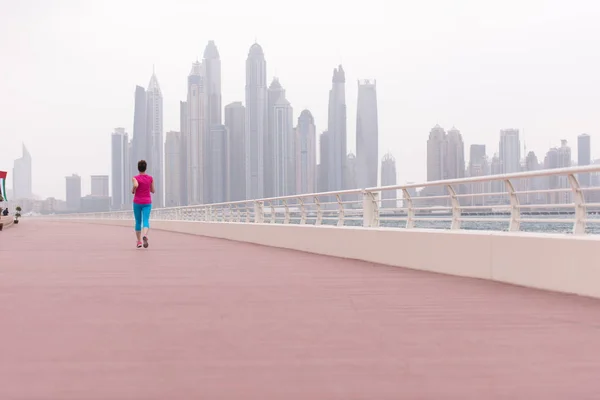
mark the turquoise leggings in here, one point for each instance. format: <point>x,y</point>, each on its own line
<point>141,212</point>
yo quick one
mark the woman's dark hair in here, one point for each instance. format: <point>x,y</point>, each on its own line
<point>142,165</point>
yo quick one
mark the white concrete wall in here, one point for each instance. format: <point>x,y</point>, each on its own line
<point>562,263</point>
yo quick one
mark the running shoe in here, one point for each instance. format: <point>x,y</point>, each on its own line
<point>139,245</point>
<point>145,242</point>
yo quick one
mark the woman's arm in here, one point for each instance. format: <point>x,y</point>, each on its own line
<point>135,185</point>
<point>152,186</point>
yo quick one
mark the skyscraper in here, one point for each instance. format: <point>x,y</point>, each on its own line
<point>154,126</point>
<point>478,160</point>
<point>455,156</point>
<point>367,135</point>
<point>120,169</point>
<point>256,121</point>
<point>584,157</point>
<point>337,147</point>
<point>436,154</point>
<point>22,176</point>
<point>140,141</point>
<point>279,153</point>
<point>478,166</point>
<point>235,122</point>
<point>388,178</point>
<point>306,154</point>
<point>99,185</point>
<point>217,178</point>
<point>183,156</point>
<point>274,92</point>
<point>323,167</point>
<point>73,185</point>
<point>196,126</point>
<point>211,65</point>
<point>148,142</point>
<point>510,151</point>
<point>174,169</point>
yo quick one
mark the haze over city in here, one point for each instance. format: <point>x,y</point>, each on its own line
<point>70,71</point>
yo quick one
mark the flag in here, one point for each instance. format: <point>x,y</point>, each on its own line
<point>3,186</point>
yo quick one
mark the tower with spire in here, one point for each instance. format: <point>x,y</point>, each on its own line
<point>256,121</point>
<point>154,129</point>
<point>336,132</point>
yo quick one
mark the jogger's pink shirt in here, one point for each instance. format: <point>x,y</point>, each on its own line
<point>142,193</point>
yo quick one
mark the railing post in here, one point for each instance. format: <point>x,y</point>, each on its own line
<point>273,215</point>
<point>410,212</point>
<point>341,214</point>
<point>515,210</point>
<point>259,214</point>
<point>370,209</point>
<point>286,218</point>
<point>319,210</point>
<point>302,211</point>
<point>580,210</point>
<point>455,207</point>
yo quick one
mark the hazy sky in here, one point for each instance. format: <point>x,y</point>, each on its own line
<point>69,68</point>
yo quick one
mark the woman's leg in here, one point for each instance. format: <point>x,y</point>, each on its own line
<point>137,213</point>
<point>146,222</point>
<point>146,218</point>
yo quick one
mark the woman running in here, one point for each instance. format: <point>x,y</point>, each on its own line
<point>143,185</point>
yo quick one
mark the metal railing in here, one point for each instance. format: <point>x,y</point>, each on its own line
<point>512,202</point>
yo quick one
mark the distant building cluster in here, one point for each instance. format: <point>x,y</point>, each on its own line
<point>245,150</point>
<point>446,160</point>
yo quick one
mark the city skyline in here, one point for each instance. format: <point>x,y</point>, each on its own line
<point>486,97</point>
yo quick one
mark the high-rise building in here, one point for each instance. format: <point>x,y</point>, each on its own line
<point>196,133</point>
<point>336,156</point>
<point>235,122</point>
<point>211,64</point>
<point>218,173</point>
<point>350,176</point>
<point>436,154</point>
<point>183,156</point>
<point>154,125</point>
<point>496,168</point>
<point>140,141</point>
<point>323,167</point>
<point>174,169</point>
<point>478,160</point>
<point>212,69</point>
<point>455,155</point>
<point>73,185</point>
<point>22,177</point>
<point>388,178</point>
<point>148,142</point>
<point>478,166</point>
<point>558,157</point>
<point>533,184</point>
<point>100,185</point>
<point>306,154</point>
<point>274,92</point>
<point>256,121</point>
<point>367,135</point>
<point>279,153</point>
<point>120,169</point>
<point>510,151</point>
<point>584,157</point>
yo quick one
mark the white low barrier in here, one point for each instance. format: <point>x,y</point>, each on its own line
<point>561,263</point>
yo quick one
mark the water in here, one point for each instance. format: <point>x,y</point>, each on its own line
<point>432,222</point>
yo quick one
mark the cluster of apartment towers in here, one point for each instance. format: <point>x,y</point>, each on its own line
<point>256,152</point>
<point>446,160</point>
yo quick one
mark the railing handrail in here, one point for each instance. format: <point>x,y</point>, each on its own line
<point>335,205</point>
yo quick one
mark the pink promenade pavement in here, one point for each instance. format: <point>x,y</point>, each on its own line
<point>85,316</point>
